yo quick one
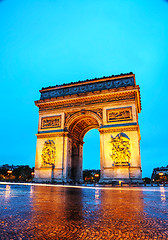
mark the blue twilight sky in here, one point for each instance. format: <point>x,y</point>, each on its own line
<point>49,42</point>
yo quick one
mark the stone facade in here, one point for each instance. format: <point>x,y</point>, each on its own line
<point>67,112</point>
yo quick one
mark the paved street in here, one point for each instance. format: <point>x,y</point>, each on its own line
<point>48,212</point>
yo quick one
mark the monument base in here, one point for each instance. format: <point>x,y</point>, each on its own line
<point>118,181</point>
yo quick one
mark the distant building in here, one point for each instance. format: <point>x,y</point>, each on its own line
<point>159,173</point>
<point>16,173</point>
<point>91,175</point>
<point>9,167</point>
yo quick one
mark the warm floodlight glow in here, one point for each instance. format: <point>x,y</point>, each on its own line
<point>161,174</point>
<point>163,195</point>
<point>8,190</point>
<point>120,182</point>
<point>9,171</point>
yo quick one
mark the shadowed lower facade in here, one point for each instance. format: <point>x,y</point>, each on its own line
<point>67,112</point>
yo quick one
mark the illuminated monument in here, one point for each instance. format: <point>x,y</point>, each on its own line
<point>67,112</point>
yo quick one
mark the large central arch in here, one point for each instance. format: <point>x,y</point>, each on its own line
<point>78,125</point>
<point>67,112</point>
<point>81,122</point>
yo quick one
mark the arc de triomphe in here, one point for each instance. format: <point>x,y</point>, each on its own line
<point>67,112</point>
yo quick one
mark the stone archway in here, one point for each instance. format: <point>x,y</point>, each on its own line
<point>67,112</point>
<point>77,125</point>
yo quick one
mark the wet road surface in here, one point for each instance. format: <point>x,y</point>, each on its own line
<point>48,212</point>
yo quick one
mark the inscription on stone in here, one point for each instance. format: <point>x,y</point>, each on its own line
<point>51,122</point>
<point>120,114</point>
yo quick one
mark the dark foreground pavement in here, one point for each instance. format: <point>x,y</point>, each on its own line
<point>41,212</point>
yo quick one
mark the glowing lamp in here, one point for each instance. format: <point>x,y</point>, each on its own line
<point>97,175</point>
<point>120,182</point>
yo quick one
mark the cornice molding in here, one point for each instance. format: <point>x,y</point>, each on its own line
<point>87,100</point>
<point>119,129</point>
<point>48,135</point>
<point>70,97</point>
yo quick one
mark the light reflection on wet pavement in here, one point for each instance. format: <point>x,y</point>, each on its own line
<point>47,212</point>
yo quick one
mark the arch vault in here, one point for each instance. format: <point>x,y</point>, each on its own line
<point>67,112</point>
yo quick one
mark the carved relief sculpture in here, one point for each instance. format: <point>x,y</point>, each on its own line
<point>51,122</point>
<point>68,115</point>
<point>48,154</point>
<point>120,149</point>
<point>88,87</point>
<point>120,114</point>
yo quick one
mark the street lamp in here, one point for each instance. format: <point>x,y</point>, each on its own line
<point>32,174</point>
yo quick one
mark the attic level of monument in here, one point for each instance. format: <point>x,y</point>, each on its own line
<point>67,112</point>
<point>88,86</point>
<point>88,80</point>
<point>95,91</point>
